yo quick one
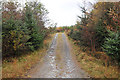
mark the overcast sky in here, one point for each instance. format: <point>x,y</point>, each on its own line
<point>63,12</point>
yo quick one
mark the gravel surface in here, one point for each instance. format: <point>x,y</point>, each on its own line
<point>58,63</point>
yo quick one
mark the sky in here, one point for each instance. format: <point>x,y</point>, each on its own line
<point>63,12</point>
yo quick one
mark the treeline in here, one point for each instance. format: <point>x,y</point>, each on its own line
<point>62,29</point>
<point>99,29</point>
<point>23,28</point>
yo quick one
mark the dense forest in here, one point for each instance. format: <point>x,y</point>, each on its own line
<point>23,28</point>
<point>99,30</point>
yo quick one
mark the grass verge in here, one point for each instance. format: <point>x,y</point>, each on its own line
<point>92,65</point>
<point>19,66</point>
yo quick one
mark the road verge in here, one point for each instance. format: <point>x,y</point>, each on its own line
<point>20,66</point>
<point>93,66</point>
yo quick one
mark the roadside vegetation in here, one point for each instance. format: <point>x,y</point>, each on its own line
<point>96,37</point>
<point>25,39</point>
<point>18,67</point>
<point>93,66</point>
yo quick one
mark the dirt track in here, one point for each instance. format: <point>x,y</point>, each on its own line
<point>58,63</point>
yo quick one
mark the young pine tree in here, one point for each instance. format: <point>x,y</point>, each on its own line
<point>112,45</point>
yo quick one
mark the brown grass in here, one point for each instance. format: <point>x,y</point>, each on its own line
<point>59,48</point>
<point>59,51</point>
<point>92,65</point>
<point>21,65</point>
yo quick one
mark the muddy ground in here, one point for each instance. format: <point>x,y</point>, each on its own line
<point>59,62</point>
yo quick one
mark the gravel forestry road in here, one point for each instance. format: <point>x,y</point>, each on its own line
<point>59,62</point>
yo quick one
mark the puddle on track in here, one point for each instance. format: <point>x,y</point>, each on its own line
<point>65,68</point>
